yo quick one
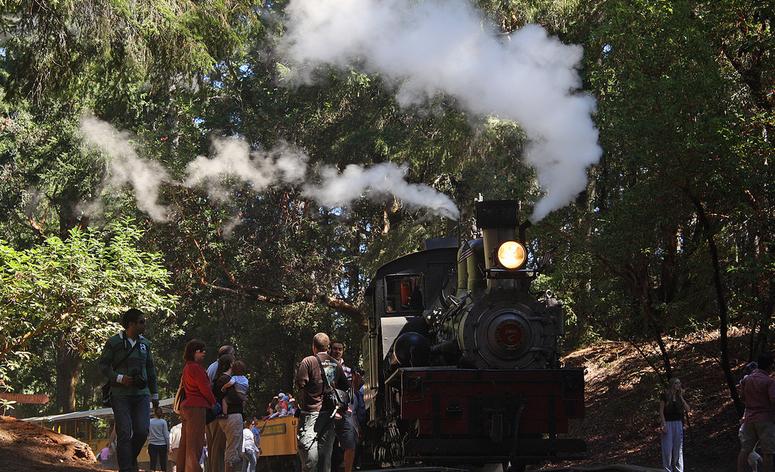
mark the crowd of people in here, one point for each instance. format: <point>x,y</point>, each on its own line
<point>281,405</point>
<point>213,433</point>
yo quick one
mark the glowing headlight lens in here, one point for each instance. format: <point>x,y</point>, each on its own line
<point>512,255</point>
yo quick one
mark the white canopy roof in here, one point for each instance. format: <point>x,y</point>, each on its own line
<point>98,413</point>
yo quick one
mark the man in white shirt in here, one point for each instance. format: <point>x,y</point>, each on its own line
<point>249,449</point>
<point>174,444</point>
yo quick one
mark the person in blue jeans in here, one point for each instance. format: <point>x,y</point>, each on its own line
<point>315,433</point>
<point>127,363</point>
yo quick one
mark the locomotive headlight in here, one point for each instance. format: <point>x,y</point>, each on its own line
<point>512,255</point>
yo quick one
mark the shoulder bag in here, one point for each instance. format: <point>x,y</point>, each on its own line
<point>180,395</point>
<point>106,393</point>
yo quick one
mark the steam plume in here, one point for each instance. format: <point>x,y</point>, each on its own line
<point>440,46</point>
<point>125,166</point>
<point>377,181</point>
<point>286,164</point>
<point>234,159</point>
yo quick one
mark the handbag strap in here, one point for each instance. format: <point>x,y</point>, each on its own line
<point>129,353</point>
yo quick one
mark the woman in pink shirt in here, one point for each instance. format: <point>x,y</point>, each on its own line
<point>199,397</point>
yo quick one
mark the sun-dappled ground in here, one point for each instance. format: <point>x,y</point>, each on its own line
<point>622,397</point>
<point>621,424</point>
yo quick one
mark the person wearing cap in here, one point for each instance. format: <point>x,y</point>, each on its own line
<point>282,405</point>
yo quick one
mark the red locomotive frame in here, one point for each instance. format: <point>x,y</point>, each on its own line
<point>470,415</point>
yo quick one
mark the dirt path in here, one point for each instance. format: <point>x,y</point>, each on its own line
<point>30,448</point>
<point>622,400</point>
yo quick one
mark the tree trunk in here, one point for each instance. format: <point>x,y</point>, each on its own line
<point>642,287</point>
<point>764,292</point>
<point>722,305</point>
<point>68,369</point>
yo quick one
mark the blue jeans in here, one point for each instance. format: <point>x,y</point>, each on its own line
<point>316,441</point>
<point>132,414</point>
<point>249,461</point>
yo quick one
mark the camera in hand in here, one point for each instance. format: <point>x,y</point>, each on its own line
<point>138,380</point>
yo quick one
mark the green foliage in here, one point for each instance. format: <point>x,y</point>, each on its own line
<point>77,287</point>
<point>685,101</point>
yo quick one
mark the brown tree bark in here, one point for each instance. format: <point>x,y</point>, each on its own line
<point>68,369</point>
<point>722,304</point>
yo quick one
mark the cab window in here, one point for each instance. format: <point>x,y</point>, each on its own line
<point>404,294</point>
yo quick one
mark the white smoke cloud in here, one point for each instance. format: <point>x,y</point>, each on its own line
<point>445,46</point>
<point>126,167</point>
<point>233,158</point>
<point>378,181</point>
<point>229,226</point>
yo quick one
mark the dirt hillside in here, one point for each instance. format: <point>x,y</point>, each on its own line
<point>29,448</point>
<point>622,397</point>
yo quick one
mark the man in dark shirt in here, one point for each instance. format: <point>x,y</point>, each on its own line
<point>216,439</point>
<point>127,363</point>
<point>316,422</point>
<point>346,437</point>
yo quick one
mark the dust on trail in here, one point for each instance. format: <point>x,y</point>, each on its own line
<point>31,448</point>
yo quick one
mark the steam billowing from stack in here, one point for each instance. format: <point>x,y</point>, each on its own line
<point>445,46</point>
<point>233,159</point>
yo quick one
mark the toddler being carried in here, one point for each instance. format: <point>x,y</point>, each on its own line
<point>238,381</point>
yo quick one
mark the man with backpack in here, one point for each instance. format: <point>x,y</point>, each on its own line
<point>317,379</point>
<point>127,363</point>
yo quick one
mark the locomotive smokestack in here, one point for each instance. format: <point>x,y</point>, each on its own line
<point>498,220</point>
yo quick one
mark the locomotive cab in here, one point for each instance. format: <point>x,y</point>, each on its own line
<point>462,359</point>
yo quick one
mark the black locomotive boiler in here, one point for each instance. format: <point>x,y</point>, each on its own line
<point>462,359</point>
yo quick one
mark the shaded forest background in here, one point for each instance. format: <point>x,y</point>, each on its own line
<point>673,234</point>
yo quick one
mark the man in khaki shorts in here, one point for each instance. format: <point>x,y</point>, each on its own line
<point>757,391</point>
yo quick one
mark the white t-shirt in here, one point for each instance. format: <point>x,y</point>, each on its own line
<point>248,441</point>
<point>175,436</point>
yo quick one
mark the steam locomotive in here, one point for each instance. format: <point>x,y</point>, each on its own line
<point>462,362</point>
